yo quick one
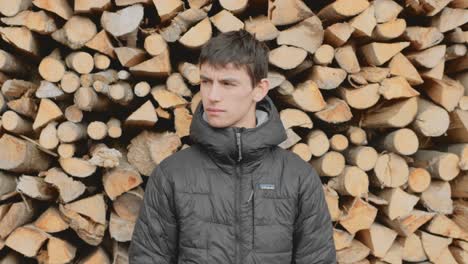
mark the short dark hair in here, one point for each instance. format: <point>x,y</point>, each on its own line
<point>239,48</point>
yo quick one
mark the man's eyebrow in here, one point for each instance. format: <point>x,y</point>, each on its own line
<point>234,80</point>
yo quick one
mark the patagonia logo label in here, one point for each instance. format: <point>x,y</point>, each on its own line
<point>266,186</point>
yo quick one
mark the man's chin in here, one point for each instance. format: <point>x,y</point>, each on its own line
<point>217,123</point>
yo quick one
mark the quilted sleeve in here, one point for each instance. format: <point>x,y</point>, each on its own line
<point>155,236</point>
<point>313,231</point>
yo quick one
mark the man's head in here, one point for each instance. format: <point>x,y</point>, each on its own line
<point>233,69</point>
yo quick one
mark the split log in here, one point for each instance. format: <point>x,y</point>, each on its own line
<point>51,221</point>
<point>444,226</point>
<point>342,239</point>
<point>327,78</point>
<point>21,156</point>
<point>446,92</point>
<point>48,111</point>
<point>302,150</point>
<point>14,88</point>
<point>22,38</point>
<point>353,254</point>
<point>397,87</point>
<point>361,98</point>
<point>87,6</point>
<point>167,9</point>
<point>338,34</point>
<point>346,58</point>
<point>7,186</point>
<point>14,7</point>
<point>77,167</point>
<point>102,43</point>
<point>148,149</point>
<point>386,10</point>
<point>58,251</point>
<point>17,215</point>
<point>389,30</point>
<point>58,7</point>
<point>36,188</point>
<point>145,115</point>
<point>120,229</point>
<point>398,114</point>
<point>286,57</point>
<point>35,237</point>
<point>292,138</point>
<point>458,128</point>
<point>86,99</point>
<point>377,53</point>
<point>360,215</point>
<point>406,225</point>
<point>128,205</point>
<point>460,207</point>
<point>423,37</point>
<point>225,21</point>
<point>76,32</point>
<point>10,63</point>
<point>38,22</point>
<point>336,111</point>
<point>306,97</point>
<point>377,238</point>
<point>450,18</point>
<point>165,98</point>
<point>331,198</point>
<point>307,35</point>
<point>436,248</point>
<point>89,231</point>
<point>158,66</point>
<point>285,12</point>
<point>364,23</point>
<point>181,23</point>
<point>459,186</point>
<point>428,58</point>
<point>198,35</point>
<point>342,9</point>
<point>412,248</point>
<point>400,203</point>
<point>98,255</point>
<point>291,117</point>
<point>437,197</point>
<point>123,22</point>
<point>68,188</point>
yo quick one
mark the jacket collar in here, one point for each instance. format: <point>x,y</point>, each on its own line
<point>222,145</point>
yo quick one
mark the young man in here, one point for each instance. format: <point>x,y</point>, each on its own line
<point>234,196</point>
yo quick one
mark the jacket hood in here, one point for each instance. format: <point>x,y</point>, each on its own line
<point>221,143</point>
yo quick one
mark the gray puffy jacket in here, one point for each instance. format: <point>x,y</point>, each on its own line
<point>234,197</point>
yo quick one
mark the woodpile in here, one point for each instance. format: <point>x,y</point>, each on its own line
<point>94,94</point>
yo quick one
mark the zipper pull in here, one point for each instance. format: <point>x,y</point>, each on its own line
<point>239,146</point>
<point>250,197</point>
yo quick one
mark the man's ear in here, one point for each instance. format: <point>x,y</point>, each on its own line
<point>261,90</point>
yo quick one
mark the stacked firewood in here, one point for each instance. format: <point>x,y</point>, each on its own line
<point>95,93</point>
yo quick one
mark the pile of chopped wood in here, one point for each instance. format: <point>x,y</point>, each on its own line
<point>95,93</point>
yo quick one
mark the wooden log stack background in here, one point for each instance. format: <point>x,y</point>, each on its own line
<point>95,93</point>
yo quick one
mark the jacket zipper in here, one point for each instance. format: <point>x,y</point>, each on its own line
<point>238,195</point>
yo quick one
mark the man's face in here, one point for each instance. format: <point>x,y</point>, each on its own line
<point>228,96</point>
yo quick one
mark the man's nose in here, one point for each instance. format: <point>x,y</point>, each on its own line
<point>215,92</point>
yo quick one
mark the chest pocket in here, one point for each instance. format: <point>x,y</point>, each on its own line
<point>273,206</point>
